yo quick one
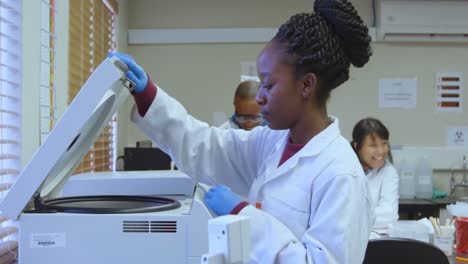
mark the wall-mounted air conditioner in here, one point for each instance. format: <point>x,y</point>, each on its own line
<point>422,20</point>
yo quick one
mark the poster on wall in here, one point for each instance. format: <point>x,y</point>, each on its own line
<point>449,86</point>
<point>398,93</point>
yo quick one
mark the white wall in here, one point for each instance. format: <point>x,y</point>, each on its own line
<point>421,126</point>
<point>203,76</point>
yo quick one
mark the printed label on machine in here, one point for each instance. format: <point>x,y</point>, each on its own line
<point>47,240</point>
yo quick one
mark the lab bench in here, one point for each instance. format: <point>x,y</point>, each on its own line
<point>452,260</point>
<point>415,209</point>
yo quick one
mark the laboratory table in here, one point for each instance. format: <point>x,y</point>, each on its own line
<point>452,260</point>
<point>418,208</point>
<point>415,209</point>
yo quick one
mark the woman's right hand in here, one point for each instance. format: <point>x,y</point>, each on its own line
<point>136,73</point>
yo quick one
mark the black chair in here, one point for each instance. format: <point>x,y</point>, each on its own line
<point>403,251</point>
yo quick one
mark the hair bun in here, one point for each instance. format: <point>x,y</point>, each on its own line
<point>347,23</point>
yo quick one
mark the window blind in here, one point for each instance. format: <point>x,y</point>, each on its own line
<point>47,68</point>
<point>92,37</point>
<point>10,116</point>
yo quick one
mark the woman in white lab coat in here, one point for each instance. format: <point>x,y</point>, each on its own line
<point>371,144</point>
<point>307,193</point>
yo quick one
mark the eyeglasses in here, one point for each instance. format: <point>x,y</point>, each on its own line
<point>245,118</point>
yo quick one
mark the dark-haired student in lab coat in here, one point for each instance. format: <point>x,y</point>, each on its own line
<point>371,144</point>
<point>307,192</point>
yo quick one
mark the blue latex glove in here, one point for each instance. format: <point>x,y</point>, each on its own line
<point>135,73</point>
<point>221,200</point>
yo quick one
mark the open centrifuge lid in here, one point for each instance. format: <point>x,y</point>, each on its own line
<point>71,138</point>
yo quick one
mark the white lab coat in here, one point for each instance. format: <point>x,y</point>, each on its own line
<point>383,186</point>
<point>315,207</point>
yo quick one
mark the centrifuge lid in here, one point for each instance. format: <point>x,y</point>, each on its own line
<point>71,138</point>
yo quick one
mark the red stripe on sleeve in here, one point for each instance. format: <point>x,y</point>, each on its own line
<point>144,99</point>
<point>239,207</point>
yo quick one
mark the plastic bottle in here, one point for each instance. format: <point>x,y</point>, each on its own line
<point>407,180</point>
<point>424,178</point>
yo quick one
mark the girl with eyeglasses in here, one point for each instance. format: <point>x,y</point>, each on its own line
<point>246,109</point>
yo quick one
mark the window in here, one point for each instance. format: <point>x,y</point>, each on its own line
<point>10,115</point>
<point>47,79</point>
<point>92,37</point>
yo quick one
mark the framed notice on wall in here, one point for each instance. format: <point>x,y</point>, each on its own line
<point>398,93</point>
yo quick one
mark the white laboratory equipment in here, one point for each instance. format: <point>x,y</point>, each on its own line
<point>229,240</point>
<point>125,217</point>
<point>407,184</point>
<point>424,178</point>
<point>410,229</point>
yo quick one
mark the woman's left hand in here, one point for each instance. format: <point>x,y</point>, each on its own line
<point>221,200</point>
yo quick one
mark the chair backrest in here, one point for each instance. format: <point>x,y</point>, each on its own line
<point>403,251</point>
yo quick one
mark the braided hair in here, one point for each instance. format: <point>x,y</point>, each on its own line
<point>326,42</point>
